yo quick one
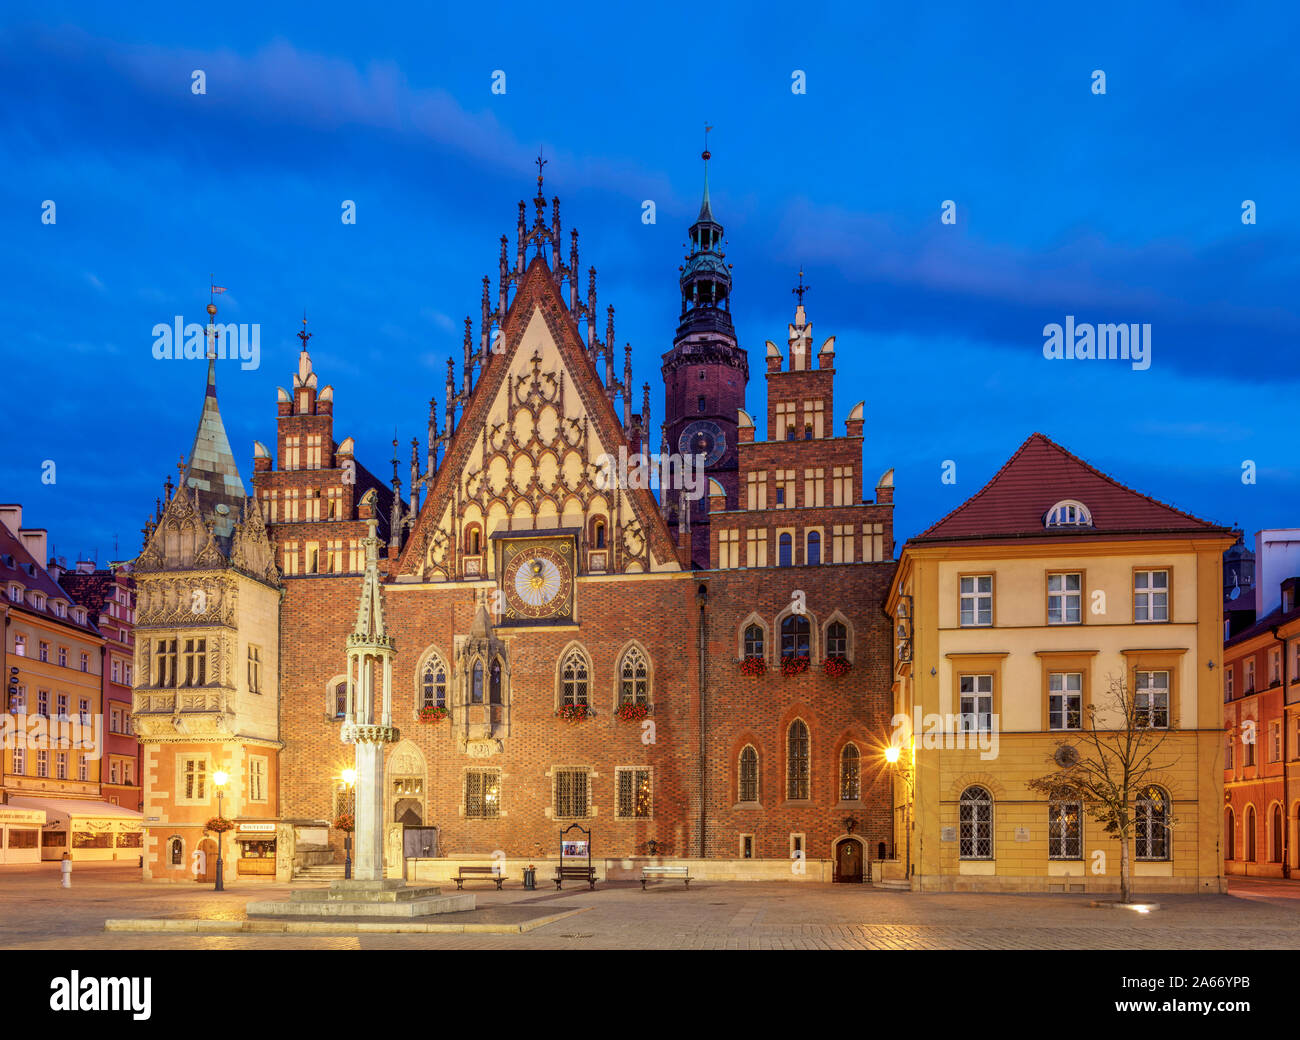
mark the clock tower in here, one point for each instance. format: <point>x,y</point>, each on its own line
<point>705,373</point>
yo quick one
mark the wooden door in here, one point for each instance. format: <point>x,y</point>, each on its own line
<point>848,861</point>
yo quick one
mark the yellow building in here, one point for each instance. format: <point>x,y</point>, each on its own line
<point>1016,613</point>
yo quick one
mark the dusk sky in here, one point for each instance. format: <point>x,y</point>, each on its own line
<point>1117,208</point>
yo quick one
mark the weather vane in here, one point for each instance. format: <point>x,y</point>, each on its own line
<point>801,288</point>
<point>304,335</point>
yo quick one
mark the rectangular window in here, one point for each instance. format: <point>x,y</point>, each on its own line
<point>20,645</point>
<point>113,772</point>
<point>166,661</point>
<point>1064,599</point>
<point>195,773</point>
<point>1229,756</point>
<point>756,491</point>
<point>85,662</point>
<point>1150,596</point>
<point>842,486</point>
<point>117,671</point>
<point>83,768</point>
<point>784,427</point>
<point>976,703</point>
<point>1065,830</point>
<point>42,763</point>
<point>842,543</point>
<point>814,487</point>
<point>482,794</point>
<point>44,652</point>
<point>20,760</point>
<point>43,702</point>
<point>196,662</point>
<point>633,793</point>
<point>254,669</point>
<point>1229,675</point>
<point>115,720</point>
<point>83,707</point>
<point>746,846</point>
<point>977,600</point>
<point>61,706</point>
<point>60,765</point>
<point>291,453</point>
<point>756,548</point>
<point>257,779</point>
<point>729,549</point>
<point>63,657</point>
<point>1248,677</point>
<point>1065,700</point>
<point>1275,666</point>
<point>571,794</point>
<point>785,488</point>
<point>1275,741</point>
<point>1151,700</point>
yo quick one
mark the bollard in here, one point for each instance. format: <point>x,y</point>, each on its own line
<point>66,869</point>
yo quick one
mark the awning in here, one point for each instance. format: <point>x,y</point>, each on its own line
<point>82,811</point>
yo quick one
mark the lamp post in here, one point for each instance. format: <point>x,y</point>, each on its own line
<point>220,778</point>
<point>349,777</point>
<point>894,755</point>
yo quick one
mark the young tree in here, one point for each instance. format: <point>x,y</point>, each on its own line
<point>1110,769</point>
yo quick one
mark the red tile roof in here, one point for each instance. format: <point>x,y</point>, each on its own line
<point>29,572</point>
<point>1040,474</point>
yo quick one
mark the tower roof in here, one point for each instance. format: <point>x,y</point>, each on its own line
<point>210,470</point>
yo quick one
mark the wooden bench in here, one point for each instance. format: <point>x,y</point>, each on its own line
<point>665,874</point>
<point>587,874</point>
<point>478,874</point>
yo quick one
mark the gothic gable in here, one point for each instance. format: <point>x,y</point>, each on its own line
<point>181,541</point>
<point>527,456</point>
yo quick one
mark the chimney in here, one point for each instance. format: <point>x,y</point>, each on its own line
<point>85,566</point>
<point>34,539</point>
<point>55,569</point>
<point>12,517</point>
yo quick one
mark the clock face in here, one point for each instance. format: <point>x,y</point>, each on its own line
<point>537,582</point>
<point>703,437</point>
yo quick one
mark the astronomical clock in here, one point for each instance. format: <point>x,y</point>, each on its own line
<point>537,579</point>
<point>703,437</point>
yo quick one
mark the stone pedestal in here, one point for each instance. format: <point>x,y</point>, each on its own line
<point>364,898</point>
<point>368,854</point>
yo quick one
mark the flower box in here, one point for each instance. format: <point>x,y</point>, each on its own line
<point>428,715</point>
<point>573,712</point>
<point>753,666</point>
<point>345,823</point>
<point>218,825</point>
<point>837,666</point>
<point>794,664</point>
<point>632,712</point>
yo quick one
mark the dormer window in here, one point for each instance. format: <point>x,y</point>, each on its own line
<point>60,608</point>
<point>37,600</point>
<point>1068,513</point>
<point>16,592</point>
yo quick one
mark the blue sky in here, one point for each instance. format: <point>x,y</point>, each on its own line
<point>1117,208</point>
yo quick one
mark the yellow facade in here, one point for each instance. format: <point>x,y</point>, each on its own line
<point>1019,649</point>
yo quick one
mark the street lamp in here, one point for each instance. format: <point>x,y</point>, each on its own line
<point>220,778</point>
<point>894,756</point>
<point>349,777</point>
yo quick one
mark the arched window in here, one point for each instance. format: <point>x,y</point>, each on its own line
<point>837,640</point>
<point>753,640</point>
<point>850,774</point>
<point>494,682</point>
<point>1151,839</point>
<point>748,774</point>
<point>340,700</point>
<point>598,534</point>
<point>574,674</point>
<point>976,815</point>
<point>797,761</point>
<point>476,683</point>
<point>633,678</point>
<point>433,684</point>
<point>176,852</point>
<point>472,541</point>
<point>795,632</point>
<point>785,551</point>
<point>814,554</point>
<point>1250,834</point>
<point>1068,513</point>
<point>1277,834</point>
<point>1230,835</point>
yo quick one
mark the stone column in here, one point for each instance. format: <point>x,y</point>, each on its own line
<point>368,854</point>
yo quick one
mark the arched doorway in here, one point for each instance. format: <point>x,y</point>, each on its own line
<point>407,812</point>
<point>848,861</point>
<point>207,860</point>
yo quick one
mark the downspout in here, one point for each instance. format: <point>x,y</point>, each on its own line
<point>1286,797</point>
<point>701,638</point>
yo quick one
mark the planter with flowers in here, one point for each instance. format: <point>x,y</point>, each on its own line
<point>632,712</point>
<point>753,666</point>
<point>794,664</point>
<point>836,666</point>
<point>219,825</point>
<point>345,823</point>
<point>429,713</point>
<point>573,712</point>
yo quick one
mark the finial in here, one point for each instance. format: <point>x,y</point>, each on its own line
<point>705,154</point>
<point>304,335</point>
<point>801,288</point>
<point>540,163</point>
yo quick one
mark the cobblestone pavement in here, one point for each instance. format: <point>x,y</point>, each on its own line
<point>36,913</point>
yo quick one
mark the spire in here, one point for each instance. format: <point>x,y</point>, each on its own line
<point>706,211</point>
<point>211,471</point>
<point>370,630</point>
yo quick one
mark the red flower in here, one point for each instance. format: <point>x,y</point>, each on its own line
<point>836,666</point>
<point>429,713</point>
<point>794,664</point>
<point>632,712</point>
<point>753,666</point>
<point>218,824</point>
<point>345,822</point>
<point>572,712</point>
